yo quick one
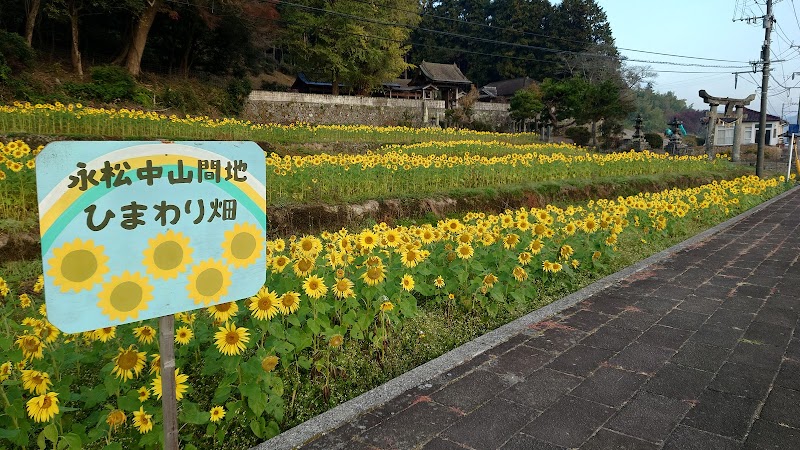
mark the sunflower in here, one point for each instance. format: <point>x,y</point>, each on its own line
<point>209,281</point>
<point>524,258</point>
<point>367,240</point>
<point>547,266</point>
<point>180,384</point>
<point>575,263</point>
<point>289,302</point>
<point>78,265</point>
<point>116,418</point>
<point>407,282</point>
<point>565,252</point>
<point>104,334</point>
<point>336,341</point>
<point>520,274</point>
<point>128,363</point>
<point>343,288</point>
<point>410,257</point>
<point>5,371</point>
<point>231,340</point>
<point>309,246</point>
<point>44,407</point>
<point>264,305</point>
<point>243,245</point>
<point>386,306</point>
<point>489,280</point>
<point>145,334</point>
<point>36,382</point>
<point>314,286</point>
<point>24,301</point>
<point>38,287</point>
<point>31,346</point>
<point>217,413</point>
<point>269,363</point>
<point>439,282</point>
<point>391,238</point>
<point>536,246</point>
<point>303,267</point>
<point>279,263</point>
<point>155,363</point>
<point>510,241</point>
<point>48,332</point>
<point>465,251</point>
<point>223,312</point>
<point>187,318</point>
<point>125,296</point>
<point>596,255</point>
<point>144,394</point>
<point>142,421</point>
<point>183,335</point>
<point>556,267</point>
<point>167,255</point>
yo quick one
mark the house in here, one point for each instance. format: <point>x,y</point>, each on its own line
<point>502,91</point>
<point>402,88</point>
<point>303,85</point>
<point>450,83</point>
<point>723,135</point>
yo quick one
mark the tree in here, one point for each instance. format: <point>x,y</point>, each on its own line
<point>526,104</point>
<point>72,10</point>
<point>349,41</point>
<point>30,19</point>
<point>135,48</point>
<point>604,101</point>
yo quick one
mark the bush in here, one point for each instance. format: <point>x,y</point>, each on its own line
<point>109,83</point>
<point>182,98</point>
<point>15,55</point>
<point>236,93</point>
<point>654,140</point>
<point>579,135</point>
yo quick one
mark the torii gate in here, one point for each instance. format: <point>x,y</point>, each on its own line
<point>734,109</point>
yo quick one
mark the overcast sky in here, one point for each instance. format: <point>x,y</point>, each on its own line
<point>704,28</point>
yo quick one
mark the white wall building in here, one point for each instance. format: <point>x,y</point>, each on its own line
<point>723,135</point>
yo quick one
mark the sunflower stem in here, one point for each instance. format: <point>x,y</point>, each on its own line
<point>8,405</point>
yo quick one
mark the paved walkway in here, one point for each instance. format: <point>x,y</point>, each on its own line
<point>696,352</point>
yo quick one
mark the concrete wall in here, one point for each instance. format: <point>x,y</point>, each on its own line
<point>291,107</point>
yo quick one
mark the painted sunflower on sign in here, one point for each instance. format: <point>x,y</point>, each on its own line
<point>167,255</point>
<point>209,281</point>
<point>125,296</point>
<point>243,245</point>
<point>78,265</point>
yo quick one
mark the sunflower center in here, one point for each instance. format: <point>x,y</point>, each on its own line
<point>304,265</point>
<point>126,296</point>
<point>243,245</point>
<point>168,255</point>
<point>46,403</point>
<point>264,303</point>
<point>31,345</point>
<point>127,360</point>
<point>37,379</point>
<point>313,285</point>
<point>287,301</point>
<point>209,282</point>
<point>374,273</point>
<point>306,246</point>
<point>342,285</point>
<point>223,307</point>
<point>232,337</point>
<point>79,265</point>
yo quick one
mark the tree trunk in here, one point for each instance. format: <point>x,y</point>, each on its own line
<point>77,66</point>
<point>30,20</point>
<point>335,84</point>
<point>133,61</point>
<point>594,134</point>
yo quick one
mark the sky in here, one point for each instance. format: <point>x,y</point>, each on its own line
<point>704,28</point>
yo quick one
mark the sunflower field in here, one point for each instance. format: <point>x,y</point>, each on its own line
<point>246,367</point>
<point>78,120</point>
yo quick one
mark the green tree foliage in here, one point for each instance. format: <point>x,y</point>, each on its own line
<point>330,40</point>
<point>527,103</point>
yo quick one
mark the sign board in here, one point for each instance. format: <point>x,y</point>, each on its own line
<point>136,230</point>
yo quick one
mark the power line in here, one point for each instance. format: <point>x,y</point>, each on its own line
<point>795,15</point>
<point>460,50</point>
<point>491,41</point>
<point>528,33</point>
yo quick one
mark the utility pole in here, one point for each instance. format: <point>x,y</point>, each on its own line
<point>768,19</point>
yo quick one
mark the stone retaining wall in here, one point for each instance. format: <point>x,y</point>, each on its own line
<point>291,107</point>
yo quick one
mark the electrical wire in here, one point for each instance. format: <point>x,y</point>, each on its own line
<point>491,41</point>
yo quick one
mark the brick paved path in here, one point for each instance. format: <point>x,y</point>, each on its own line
<point>697,352</point>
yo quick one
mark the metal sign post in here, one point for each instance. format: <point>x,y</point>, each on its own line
<point>169,405</point>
